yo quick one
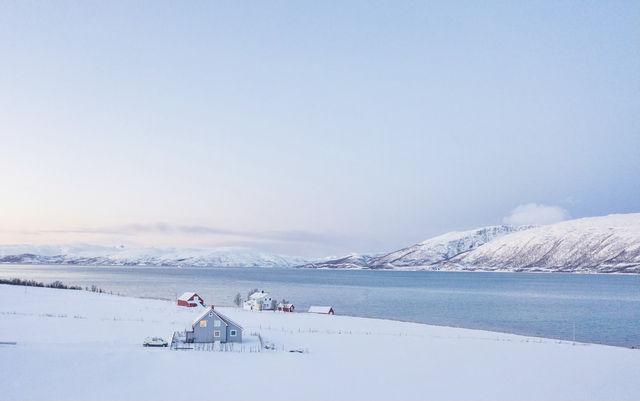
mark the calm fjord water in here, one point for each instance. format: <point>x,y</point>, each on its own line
<point>604,308</point>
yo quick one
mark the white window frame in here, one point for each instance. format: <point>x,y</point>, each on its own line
<point>233,333</point>
<point>216,323</point>
<point>216,333</point>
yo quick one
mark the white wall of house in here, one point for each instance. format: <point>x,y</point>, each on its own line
<point>258,301</point>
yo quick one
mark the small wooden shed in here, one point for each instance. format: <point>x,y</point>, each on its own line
<point>190,299</point>
<point>325,310</point>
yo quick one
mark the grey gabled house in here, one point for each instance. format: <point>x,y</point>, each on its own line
<point>213,326</point>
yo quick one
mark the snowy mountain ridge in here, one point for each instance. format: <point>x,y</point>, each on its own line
<point>606,244</point>
<point>444,247</point>
<point>352,261</point>
<point>82,254</point>
<point>425,253</point>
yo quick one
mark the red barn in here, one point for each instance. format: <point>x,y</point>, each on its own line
<point>190,299</point>
<point>286,307</point>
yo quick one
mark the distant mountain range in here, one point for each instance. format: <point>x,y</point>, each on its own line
<point>607,244</point>
<point>429,252</point>
<point>120,256</point>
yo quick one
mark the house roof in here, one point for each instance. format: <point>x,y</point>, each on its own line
<point>320,309</point>
<point>220,316</point>
<point>228,321</point>
<point>205,314</point>
<point>258,295</point>
<point>284,305</point>
<point>186,296</point>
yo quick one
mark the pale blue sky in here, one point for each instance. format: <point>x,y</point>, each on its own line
<point>311,128</point>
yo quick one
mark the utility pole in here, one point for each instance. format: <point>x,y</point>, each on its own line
<point>574,331</point>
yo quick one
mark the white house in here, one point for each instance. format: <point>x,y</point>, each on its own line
<point>259,301</point>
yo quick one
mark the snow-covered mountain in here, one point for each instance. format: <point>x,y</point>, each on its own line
<point>80,254</point>
<point>353,261</point>
<point>442,247</point>
<point>604,244</point>
<point>590,245</point>
<point>425,253</point>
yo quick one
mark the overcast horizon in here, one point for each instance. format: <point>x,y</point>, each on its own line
<point>312,129</point>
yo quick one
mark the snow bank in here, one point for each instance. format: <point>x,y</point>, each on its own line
<point>82,345</point>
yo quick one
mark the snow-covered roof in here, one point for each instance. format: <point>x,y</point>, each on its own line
<point>258,295</point>
<point>320,309</point>
<point>281,305</point>
<point>204,314</point>
<point>220,316</point>
<point>186,296</point>
<point>228,321</point>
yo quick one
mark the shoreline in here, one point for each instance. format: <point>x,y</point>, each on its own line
<point>395,269</point>
<point>234,307</point>
<point>541,305</point>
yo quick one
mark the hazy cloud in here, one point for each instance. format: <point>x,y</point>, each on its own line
<point>295,236</point>
<point>532,213</point>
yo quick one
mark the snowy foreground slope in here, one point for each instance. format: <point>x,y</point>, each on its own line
<point>82,345</point>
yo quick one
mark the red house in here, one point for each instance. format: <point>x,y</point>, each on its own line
<point>190,299</point>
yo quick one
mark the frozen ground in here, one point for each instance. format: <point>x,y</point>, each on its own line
<point>82,345</point>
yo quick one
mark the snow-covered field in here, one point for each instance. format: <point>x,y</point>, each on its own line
<point>83,345</point>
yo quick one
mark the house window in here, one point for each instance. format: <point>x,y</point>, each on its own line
<point>203,323</point>
<point>216,333</point>
<point>216,323</point>
<point>233,333</point>
<point>211,315</point>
